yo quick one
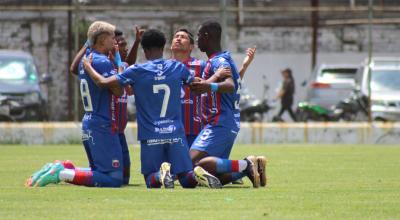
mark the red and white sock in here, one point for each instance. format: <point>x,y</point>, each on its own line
<point>77,177</point>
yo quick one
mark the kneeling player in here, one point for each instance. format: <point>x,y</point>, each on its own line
<point>99,128</point>
<point>212,147</point>
<point>156,85</point>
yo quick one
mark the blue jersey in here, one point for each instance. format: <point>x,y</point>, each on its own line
<point>99,104</point>
<point>191,108</point>
<point>122,108</point>
<point>221,109</point>
<point>157,86</point>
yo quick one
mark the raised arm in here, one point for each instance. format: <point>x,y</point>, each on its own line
<point>131,58</point>
<point>102,82</point>
<point>75,62</point>
<point>251,52</point>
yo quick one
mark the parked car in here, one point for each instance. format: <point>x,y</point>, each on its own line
<point>385,87</point>
<point>329,84</point>
<point>20,82</point>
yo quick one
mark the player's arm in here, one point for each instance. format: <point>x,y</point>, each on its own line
<point>131,58</point>
<point>247,60</point>
<point>202,86</point>
<point>75,62</point>
<point>220,75</point>
<point>101,81</point>
<point>116,57</point>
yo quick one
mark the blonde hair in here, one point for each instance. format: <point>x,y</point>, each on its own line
<point>97,28</point>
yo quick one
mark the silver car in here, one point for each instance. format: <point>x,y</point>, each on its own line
<point>385,87</point>
<point>21,84</point>
<point>331,83</point>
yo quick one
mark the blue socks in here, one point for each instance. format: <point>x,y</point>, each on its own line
<point>236,176</point>
<point>187,180</point>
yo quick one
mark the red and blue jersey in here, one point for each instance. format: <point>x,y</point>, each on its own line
<point>121,104</point>
<point>98,103</point>
<point>191,108</point>
<point>121,110</point>
<point>157,87</point>
<point>221,109</point>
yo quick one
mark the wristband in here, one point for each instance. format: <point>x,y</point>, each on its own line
<point>214,87</point>
<point>117,59</point>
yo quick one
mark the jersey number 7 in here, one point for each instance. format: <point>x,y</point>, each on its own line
<point>167,92</point>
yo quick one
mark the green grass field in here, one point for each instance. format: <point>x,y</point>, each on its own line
<point>305,182</point>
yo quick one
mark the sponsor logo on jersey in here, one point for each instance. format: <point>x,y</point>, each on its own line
<point>165,130</point>
<point>87,135</point>
<point>87,117</point>
<point>157,78</point>
<point>187,101</point>
<point>151,142</point>
<point>159,73</point>
<point>163,122</point>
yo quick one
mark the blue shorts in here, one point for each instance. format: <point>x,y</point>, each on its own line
<point>190,139</point>
<point>125,150</point>
<point>104,148</point>
<point>156,151</point>
<point>88,154</point>
<point>216,141</point>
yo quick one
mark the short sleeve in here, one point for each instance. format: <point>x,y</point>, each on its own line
<point>187,77</point>
<point>104,67</point>
<point>127,77</point>
<point>221,62</point>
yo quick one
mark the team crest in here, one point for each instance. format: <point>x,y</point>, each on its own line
<point>115,163</point>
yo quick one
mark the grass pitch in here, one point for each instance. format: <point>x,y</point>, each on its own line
<point>305,182</point>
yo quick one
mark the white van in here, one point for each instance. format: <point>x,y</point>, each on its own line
<point>385,87</point>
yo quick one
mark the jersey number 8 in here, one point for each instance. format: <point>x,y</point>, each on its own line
<point>85,93</point>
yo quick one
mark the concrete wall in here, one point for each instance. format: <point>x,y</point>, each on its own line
<point>254,133</point>
<point>44,34</point>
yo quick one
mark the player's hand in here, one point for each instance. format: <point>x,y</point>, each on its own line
<point>87,61</point>
<point>111,54</point>
<point>129,90</point>
<point>223,73</point>
<point>200,87</point>
<point>251,52</point>
<point>197,79</point>
<point>139,34</point>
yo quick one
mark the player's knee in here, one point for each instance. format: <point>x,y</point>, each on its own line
<point>207,161</point>
<point>116,179</point>
<point>116,183</point>
<point>196,156</point>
